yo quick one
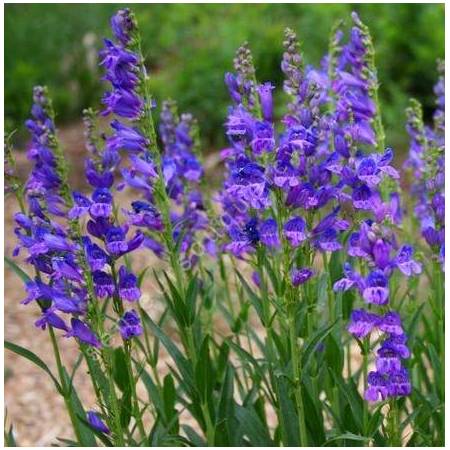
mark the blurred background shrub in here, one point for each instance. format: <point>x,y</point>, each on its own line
<point>190,46</point>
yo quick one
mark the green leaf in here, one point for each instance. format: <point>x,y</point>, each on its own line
<point>254,299</point>
<point>347,436</point>
<point>288,416</point>
<point>181,362</point>
<point>252,427</point>
<point>311,344</point>
<point>204,373</point>
<point>191,300</point>
<point>28,354</point>
<point>86,436</point>
<point>120,370</point>
<point>125,408</point>
<point>18,271</point>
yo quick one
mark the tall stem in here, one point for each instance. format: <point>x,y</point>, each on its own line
<point>297,381</point>
<point>62,379</point>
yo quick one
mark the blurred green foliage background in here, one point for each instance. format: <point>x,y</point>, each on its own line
<point>190,46</point>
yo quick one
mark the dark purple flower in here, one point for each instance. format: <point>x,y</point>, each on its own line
<point>391,323</point>
<point>128,288</point>
<point>268,233</point>
<point>103,284</point>
<point>96,257</point>
<point>96,422</point>
<point>101,203</point>
<point>405,262</point>
<point>51,319</point>
<point>399,384</point>
<point>265,98</point>
<point>350,279</point>
<point>80,207</point>
<point>399,344</point>
<point>130,325</point>
<point>123,25</point>
<point>122,103</point>
<point>82,332</point>
<point>388,360</point>
<point>295,231</point>
<point>126,138</point>
<point>376,290</point>
<point>300,276</point>
<point>377,389</point>
<point>362,323</point>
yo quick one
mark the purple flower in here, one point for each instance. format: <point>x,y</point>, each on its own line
<point>377,389</point>
<point>96,422</point>
<point>126,138</point>
<point>145,215</point>
<point>388,360</point>
<point>82,332</point>
<point>391,323</point>
<point>268,233</point>
<point>265,98</point>
<point>399,384</point>
<point>101,203</point>
<point>294,230</point>
<point>398,344</point>
<point>128,289</point>
<point>350,279</point>
<point>130,325</point>
<point>300,276</point>
<point>123,25</point>
<point>405,263</point>
<point>96,257</point>
<point>116,243</point>
<point>122,103</point>
<point>362,323</point>
<point>51,319</point>
<point>120,64</point>
<point>80,207</point>
<point>376,290</point>
<point>103,284</point>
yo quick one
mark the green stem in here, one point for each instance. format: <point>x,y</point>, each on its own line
<point>64,387</point>
<point>137,414</point>
<point>297,382</point>
<point>365,374</point>
<point>114,401</point>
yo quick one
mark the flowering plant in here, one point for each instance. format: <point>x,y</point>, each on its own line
<point>293,306</point>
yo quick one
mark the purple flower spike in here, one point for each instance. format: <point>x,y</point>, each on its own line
<point>128,289</point>
<point>82,332</point>
<point>130,325</point>
<point>294,230</point>
<point>96,422</point>
<point>362,323</point>
<point>300,276</point>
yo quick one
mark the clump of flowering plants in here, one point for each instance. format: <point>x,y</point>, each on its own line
<point>302,303</point>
